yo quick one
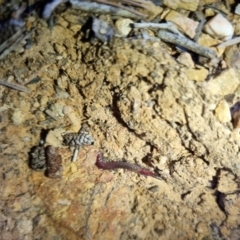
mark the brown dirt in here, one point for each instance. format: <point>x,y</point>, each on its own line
<point>139,105</point>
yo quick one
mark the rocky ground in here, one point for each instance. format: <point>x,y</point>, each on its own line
<point>140,105</point>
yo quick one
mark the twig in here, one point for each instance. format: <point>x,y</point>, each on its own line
<point>14,86</point>
<point>188,44</point>
<point>11,39</point>
<point>229,42</point>
<point>200,17</point>
<point>75,154</point>
<point>167,26</point>
<point>102,9</point>
<point>122,7</point>
<point>14,45</point>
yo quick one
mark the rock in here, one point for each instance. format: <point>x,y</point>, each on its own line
<point>73,117</point>
<point>190,5</point>
<point>18,117</point>
<point>60,93</point>
<point>186,60</point>
<point>208,41</point>
<point>237,9</point>
<point>222,112</point>
<point>54,137</point>
<point>232,57</point>
<point>219,27</point>
<point>198,75</point>
<point>209,12</point>
<point>225,83</point>
<point>184,24</point>
<point>123,26</point>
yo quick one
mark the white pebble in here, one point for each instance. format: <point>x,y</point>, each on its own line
<point>219,27</point>
<point>222,112</point>
<point>123,26</point>
<point>237,9</point>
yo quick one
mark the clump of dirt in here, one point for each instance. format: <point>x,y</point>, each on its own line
<point>139,105</point>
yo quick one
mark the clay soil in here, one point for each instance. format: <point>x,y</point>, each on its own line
<point>140,106</point>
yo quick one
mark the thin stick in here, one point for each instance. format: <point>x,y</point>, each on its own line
<point>188,44</point>
<point>14,45</point>
<point>200,17</point>
<point>102,9</point>
<point>121,6</point>
<point>14,86</point>
<point>167,26</point>
<point>75,154</point>
<point>11,39</point>
<point>229,42</point>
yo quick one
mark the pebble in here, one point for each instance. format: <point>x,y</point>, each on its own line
<point>18,117</point>
<point>199,74</point>
<point>44,100</point>
<point>219,27</point>
<point>60,93</point>
<point>222,112</point>
<point>54,137</point>
<point>123,26</point>
<point>224,84</point>
<point>10,78</point>
<point>184,24</point>
<point>237,9</point>
<point>186,60</point>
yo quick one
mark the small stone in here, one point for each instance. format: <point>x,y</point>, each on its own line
<point>123,26</point>
<point>224,84</point>
<point>184,24</point>
<point>232,58</point>
<point>54,137</point>
<point>223,112</point>
<point>60,93</point>
<point>198,75</point>
<point>19,49</point>
<point>43,100</point>
<point>237,9</point>
<point>73,117</point>
<point>219,27</point>
<point>18,117</point>
<point>186,60</point>
<point>31,19</point>
<point>57,109</point>
<point>10,78</point>
<point>208,41</point>
<point>190,5</point>
<point>59,57</point>
<point>209,12</point>
<point>36,104</point>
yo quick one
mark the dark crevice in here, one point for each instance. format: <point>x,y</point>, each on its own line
<point>185,194</point>
<point>214,182</point>
<point>117,113</point>
<point>220,201</point>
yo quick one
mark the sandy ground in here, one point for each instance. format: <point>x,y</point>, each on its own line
<point>139,105</point>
